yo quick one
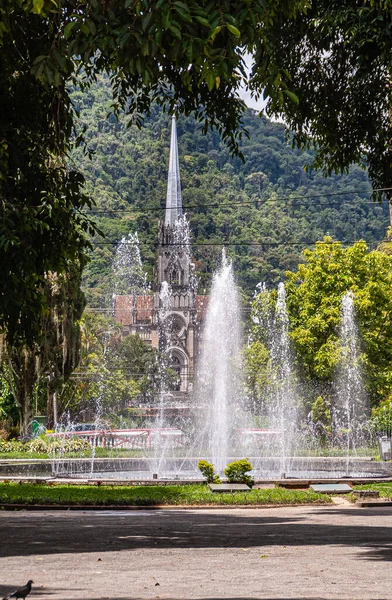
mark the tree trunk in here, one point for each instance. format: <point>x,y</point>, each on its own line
<point>22,377</point>
<point>55,408</point>
<point>49,407</point>
<point>390,211</point>
<point>26,417</point>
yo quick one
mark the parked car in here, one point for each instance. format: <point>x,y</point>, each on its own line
<point>84,427</point>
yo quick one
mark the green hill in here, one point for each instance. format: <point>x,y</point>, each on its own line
<point>266,210</point>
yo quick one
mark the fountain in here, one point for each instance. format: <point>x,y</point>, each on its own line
<point>161,446</point>
<point>282,401</point>
<point>219,391</point>
<point>288,453</point>
<point>351,411</point>
<point>128,277</point>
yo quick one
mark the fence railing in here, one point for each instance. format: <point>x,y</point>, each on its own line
<point>128,438</point>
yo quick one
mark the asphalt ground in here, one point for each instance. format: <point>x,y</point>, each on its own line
<point>312,553</point>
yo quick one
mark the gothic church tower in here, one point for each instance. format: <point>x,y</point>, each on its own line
<point>175,267</point>
<point>176,329</point>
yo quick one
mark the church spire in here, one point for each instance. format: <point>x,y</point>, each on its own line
<point>173,197</point>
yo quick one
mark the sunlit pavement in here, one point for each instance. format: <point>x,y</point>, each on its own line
<point>339,552</point>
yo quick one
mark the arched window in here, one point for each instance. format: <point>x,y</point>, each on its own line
<point>176,366</point>
<point>175,277</point>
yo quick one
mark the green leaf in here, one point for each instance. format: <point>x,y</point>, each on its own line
<point>56,79</point>
<point>146,20</point>
<point>210,79</point>
<point>68,29</point>
<point>38,6</point>
<point>189,52</point>
<point>181,5</point>
<point>183,10</point>
<point>293,97</point>
<point>175,30</point>
<point>91,26</point>
<point>216,31</point>
<point>233,30</point>
<point>202,21</point>
<point>40,59</point>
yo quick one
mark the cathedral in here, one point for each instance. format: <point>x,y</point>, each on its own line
<point>171,317</point>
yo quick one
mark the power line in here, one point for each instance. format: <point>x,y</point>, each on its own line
<point>222,205</point>
<point>244,202</point>
<point>249,244</point>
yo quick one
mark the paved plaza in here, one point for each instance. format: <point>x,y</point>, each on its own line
<point>339,552</point>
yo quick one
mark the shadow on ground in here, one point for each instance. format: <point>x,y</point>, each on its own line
<point>30,534</point>
<point>6,589</point>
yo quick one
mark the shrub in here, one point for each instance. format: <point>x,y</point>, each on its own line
<point>46,446</point>
<point>4,435</point>
<point>7,429</point>
<point>208,471</point>
<point>77,445</point>
<point>236,472</point>
<point>68,444</point>
<point>11,446</point>
<point>36,445</point>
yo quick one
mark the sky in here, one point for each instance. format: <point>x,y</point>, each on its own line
<point>251,102</point>
<point>245,94</point>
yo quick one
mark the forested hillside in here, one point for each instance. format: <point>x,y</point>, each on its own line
<point>265,211</point>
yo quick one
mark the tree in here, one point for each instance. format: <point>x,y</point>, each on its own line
<point>256,357</point>
<point>314,297</point>
<point>314,294</point>
<point>41,226</point>
<point>43,239</point>
<point>184,54</point>
<point>8,409</point>
<point>382,417</point>
<point>114,371</point>
<point>332,63</point>
<point>54,353</point>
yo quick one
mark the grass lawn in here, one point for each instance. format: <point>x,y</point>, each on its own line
<point>385,489</point>
<point>169,495</point>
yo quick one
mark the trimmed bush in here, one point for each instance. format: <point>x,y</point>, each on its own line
<point>208,471</point>
<point>236,472</point>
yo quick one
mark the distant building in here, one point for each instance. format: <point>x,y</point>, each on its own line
<point>145,316</point>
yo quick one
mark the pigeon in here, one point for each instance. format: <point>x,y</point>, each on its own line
<point>22,592</point>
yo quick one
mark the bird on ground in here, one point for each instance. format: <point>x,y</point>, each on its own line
<point>22,592</point>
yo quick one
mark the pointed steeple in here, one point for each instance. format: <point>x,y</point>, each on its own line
<point>173,197</point>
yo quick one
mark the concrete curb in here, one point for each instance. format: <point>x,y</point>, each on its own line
<point>373,504</point>
<point>131,507</point>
